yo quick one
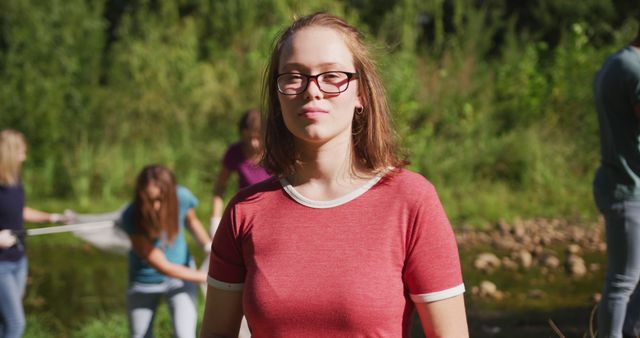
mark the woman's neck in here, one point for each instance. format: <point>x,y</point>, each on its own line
<point>327,172</point>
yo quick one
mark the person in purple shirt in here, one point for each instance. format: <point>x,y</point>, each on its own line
<point>242,157</point>
<point>13,214</point>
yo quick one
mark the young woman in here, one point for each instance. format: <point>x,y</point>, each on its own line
<point>243,158</point>
<point>343,242</point>
<point>159,262</point>
<point>13,214</point>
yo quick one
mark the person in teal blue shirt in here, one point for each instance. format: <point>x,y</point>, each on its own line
<point>159,261</point>
<point>616,189</point>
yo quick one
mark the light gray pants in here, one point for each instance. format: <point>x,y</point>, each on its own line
<point>143,299</point>
<point>619,309</point>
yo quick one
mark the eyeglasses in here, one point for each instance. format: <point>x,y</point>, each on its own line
<point>334,82</point>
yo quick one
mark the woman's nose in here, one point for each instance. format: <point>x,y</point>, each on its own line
<point>313,88</point>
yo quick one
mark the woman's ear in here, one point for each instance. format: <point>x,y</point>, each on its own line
<point>359,103</point>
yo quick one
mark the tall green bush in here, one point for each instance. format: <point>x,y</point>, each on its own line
<point>50,63</point>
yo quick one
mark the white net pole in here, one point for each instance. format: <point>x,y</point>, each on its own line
<point>70,228</point>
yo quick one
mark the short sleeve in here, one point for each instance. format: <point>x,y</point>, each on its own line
<point>127,222</point>
<point>432,264</point>
<point>232,157</point>
<point>186,198</point>
<point>226,268</point>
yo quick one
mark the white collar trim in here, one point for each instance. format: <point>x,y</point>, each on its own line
<point>291,191</point>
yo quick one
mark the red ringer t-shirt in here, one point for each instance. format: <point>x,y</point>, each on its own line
<point>350,267</point>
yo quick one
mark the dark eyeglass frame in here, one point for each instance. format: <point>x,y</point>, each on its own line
<point>308,77</point>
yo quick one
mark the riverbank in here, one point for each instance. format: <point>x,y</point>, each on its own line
<point>76,290</point>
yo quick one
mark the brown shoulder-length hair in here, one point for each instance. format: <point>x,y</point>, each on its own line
<point>373,139</point>
<point>153,223</point>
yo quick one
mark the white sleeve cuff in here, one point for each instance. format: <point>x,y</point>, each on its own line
<point>439,295</point>
<point>223,285</point>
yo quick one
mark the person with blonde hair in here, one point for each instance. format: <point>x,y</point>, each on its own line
<point>342,241</point>
<point>13,214</point>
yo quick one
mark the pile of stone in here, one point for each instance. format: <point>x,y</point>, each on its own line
<point>525,244</point>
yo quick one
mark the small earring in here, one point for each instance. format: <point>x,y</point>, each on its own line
<point>359,110</point>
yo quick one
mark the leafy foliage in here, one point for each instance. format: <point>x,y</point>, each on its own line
<point>492,99</point>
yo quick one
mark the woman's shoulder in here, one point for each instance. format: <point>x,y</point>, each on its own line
<point>233,156</point>
<point>411,189</point>
<point>181,190</point>
<point>234,148</point>
<point>12,189</point>
<point>408,179</point>
<point>407,185</point>
<point>11,186</point>
<point>184,194</point>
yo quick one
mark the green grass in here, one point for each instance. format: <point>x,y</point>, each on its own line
<point>75,290</point>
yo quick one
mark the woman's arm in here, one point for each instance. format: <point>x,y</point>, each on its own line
<point>444,318</point>
<point>156,258</point>
<point>217,202</point>
<point>37,216</point>
<point>222,314</point>
<point>197,230</point>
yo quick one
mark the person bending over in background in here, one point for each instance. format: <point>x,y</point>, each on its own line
<point>616,189</point>
<point>243,158</point>
<point>13,214</point>
<point>159,262</point>
<point>343,241</point>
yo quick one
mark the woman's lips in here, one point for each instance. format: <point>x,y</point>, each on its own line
<point>312,112</point>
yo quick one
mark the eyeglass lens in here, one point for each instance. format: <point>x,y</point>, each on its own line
<point>329,82</point>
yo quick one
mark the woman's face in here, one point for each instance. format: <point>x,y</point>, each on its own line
<point>154,193</point>
<point>315,117</point>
